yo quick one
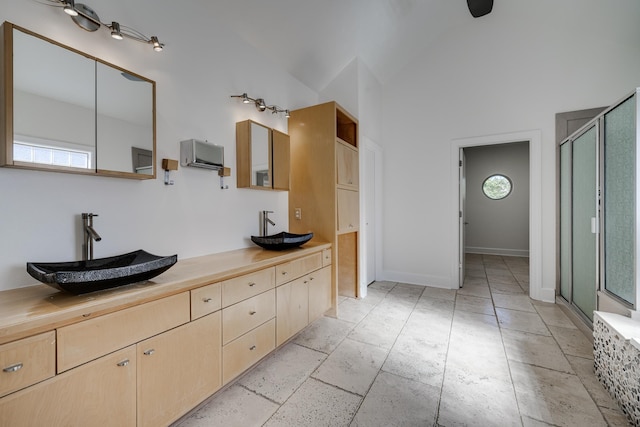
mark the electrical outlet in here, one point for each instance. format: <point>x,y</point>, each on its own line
<point>298,213</point>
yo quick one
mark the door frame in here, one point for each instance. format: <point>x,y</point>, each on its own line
<point>534,137</point>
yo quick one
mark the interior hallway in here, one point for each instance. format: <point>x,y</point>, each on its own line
<point>485,355</point>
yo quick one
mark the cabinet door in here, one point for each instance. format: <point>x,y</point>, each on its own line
<point>99,393</point>
<point>177,370</point>
<point>319,293</point>
<point>281,160</point>
<point>292,312</point>
<point>348,210</point>
<point>347,166</point>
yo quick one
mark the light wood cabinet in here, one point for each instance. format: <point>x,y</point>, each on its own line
<point>319,293</point>
<point>248,314</point>
<point>27,361</point>
<point>262,157</point>
<point>99,393</point>
<point>324,186</point>
<point>243,287</point>
<point>88,340</point>
<point>347,166</point>
<point>292,308</point>
<point>288,271</point>
<point>178,369</point>
<point>206,300</point>
<point>243,352</point>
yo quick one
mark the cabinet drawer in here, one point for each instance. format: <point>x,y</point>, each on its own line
<point>243,287</point>
<point>85,341</point>
<point>27,361</point>
<point>297,268</point>
<point>240,354</point>
<point>246,315</point>
<point>205,300</point>
<point>326,257</point>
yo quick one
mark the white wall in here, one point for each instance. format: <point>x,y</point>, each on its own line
<point>202,65</point>
<point>499,227</point>
<point>509,71</point>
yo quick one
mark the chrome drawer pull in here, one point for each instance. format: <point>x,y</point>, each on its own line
<point>253,347</point>
<point>207,299</point>
<point>252,313</point>
<point>13,368</point>
<point>149,352</point>
<point>125,362</point>
<point>252,284</point>
<point>284,273</point>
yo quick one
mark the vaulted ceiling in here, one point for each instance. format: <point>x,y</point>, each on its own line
<point>315,39</point>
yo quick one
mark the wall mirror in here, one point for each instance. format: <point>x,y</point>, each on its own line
<point>67,111</point>
<point>262,156</point>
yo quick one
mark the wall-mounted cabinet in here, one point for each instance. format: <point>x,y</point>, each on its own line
<point>262,156</point>
<point>325,187</point>
<point>92,118</point>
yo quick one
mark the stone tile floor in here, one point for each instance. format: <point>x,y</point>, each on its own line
<point>484,355</point>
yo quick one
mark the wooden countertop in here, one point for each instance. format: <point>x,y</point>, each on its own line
<point>34,309</point>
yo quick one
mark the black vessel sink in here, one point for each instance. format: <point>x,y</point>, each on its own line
<point>281,241</point>
<point>80,277</point>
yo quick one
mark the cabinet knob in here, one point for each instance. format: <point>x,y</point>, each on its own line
<point>284,273</point>
<point>253,347</point>
<point>207,299</point>
<point>252,284</point>
<point>149,352</point>
<point>125,362</point>
<point>13,368</point>
<point>252,312</point>
<point>310,278</point>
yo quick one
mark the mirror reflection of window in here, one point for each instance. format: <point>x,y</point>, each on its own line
<point>260,175</point>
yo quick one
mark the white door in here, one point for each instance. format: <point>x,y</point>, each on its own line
<point>461,217</point>
<point>370,214</point>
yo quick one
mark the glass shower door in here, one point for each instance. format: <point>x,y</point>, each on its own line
<point>584,216</point>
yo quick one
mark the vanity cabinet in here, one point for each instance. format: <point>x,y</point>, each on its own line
<point>98,393</point>
<point>177,370</point>
<point>148,362</point>
<point>325,187</point>
<point>262,157</point>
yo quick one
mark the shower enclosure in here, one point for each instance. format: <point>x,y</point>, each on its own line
<point>599,212</point>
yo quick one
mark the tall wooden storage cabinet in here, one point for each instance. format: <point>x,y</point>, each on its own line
<point>324,195</point>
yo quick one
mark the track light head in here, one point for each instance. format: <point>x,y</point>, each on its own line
<point>115,31</point>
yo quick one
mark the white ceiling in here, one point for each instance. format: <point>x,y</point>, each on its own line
<point>315,39</point>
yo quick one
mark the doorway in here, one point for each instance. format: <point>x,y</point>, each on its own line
<point>371,184</point>
<point>534,138</point>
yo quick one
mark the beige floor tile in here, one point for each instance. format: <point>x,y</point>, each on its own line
<point>553,315</point>
<point>316,404</point>
<point>433,325</point>
<point>375,296</point>
<point>572,341</point>
<point>438,293</point>
<point>382,285</point>
<point>229,408</point>
<point>353,310</point>
<point>377,330</point>
<point>521,321</point>
<point>535,350</point>
<point>418,357</point>
<point>352,366</point>
<point>477,401</point>
<point>554,397</point>
<point>513,302</point>
<point>615,417</point>
<point>267,378</point>
<point>502,288</point>
<point>398,309</point>
<point>530,422</point>
<point>397,401</point>
<point>480,290</point>
<point>474,304</point>
<point>324,334</point>
<point>438,307</point>
<point>407,291</point>
<point>584,370</point>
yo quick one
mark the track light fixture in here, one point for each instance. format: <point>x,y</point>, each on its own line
<point>87,19</point>
<point>261,104</point>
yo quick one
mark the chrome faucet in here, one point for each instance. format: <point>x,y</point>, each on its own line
<point>89,235</point>
<point>266,221</point>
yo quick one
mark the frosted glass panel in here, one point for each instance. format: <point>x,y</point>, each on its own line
<point>619,200</point>
<point>565,221</point>
<point>584,209</point>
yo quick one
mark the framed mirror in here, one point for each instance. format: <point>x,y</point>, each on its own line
<point>70,112</point>
<point>260,159</point>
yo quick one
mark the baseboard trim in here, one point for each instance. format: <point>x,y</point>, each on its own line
<point>418,279</point>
